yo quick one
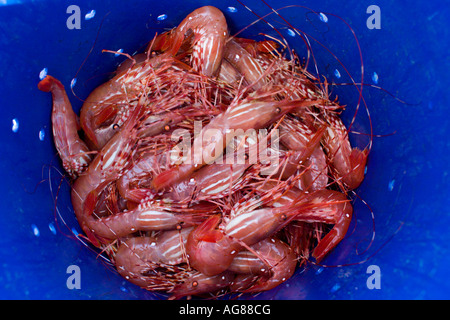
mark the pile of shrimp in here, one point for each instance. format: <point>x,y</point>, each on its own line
<point>208,164</point>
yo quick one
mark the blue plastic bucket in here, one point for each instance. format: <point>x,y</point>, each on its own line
<point>407,181</point>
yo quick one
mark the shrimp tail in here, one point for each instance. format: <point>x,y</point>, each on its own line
<point>332,239</point>
<point>358,160</point>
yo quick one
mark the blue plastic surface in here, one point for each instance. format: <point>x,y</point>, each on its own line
<point>407,181</point>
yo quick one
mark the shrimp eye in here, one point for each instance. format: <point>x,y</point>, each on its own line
<point>278,110</point>
<point>167,128</point>
<point>115,126</point>
<point>194,284</point>
<point>283,217</point>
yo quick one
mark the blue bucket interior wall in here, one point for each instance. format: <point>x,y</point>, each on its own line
<point>407,181</point>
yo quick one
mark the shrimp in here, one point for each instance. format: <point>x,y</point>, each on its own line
<point>247,114</point>
<point>106,167</point>
<point>274,261</point>
<point>316,177</point>
<point>210,29</point>
<point>198,283</point>
<point>255,48</point>
<point>245,64</point>
<point>212,250</point>
<point>298,136</point>
<point>228,74</point>
<point>338,208</point>
<point>324,206</point>
<point>210,182</point>
<point>112,99</point>
<point>148,216</point>
<point>348,164</point>
<point>140,260</point>
<point>137,255</point>
<point>73,151</point>
<point>141,171</point>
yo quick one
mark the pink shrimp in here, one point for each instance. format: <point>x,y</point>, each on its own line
<point>348,164</point>
<point>146,217</point>
<point>228,74</point>
<point>255,48</point>
<point>301,236</point>
<point>106,167</point>
<point>274,261</point>
<point>136,254</point>
<point>250,113</point>
<point>324,206</point>
<point>131,184</point>
<point>314,172</point>
<point>316,177</point>
<point>210,182</point>
<point>211,250</point>
<point>210,30</point>
<point>296,135</point>
<point>197,283</point>
<point>138,258</point>
<point>340,211</point>
<point>247,66</point>
<point>112,99</point>
<point>73,151</point>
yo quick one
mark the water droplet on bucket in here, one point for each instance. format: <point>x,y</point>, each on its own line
<point>42,134</point>
<point>75,232</point>
<point>336,287</point>
<point>291,32</point>
<point>337,74</point>
<point>375,78</point>
<point>90,15</point>
<point>35,230</point>
<point>43,73</point>
<point>323,17</point>
<point>162,17</point>
<point>52,228</point>
<point>15,125</point>
<point>118,52</point>
<point>73,82</point>
<point>391,185</point>
<point>232,9</point>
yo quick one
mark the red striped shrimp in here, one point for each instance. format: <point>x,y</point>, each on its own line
<point>196,283</point>
<point>137,254</point>
<point>210,182</point>
<point>348,164</point>
<point>271,259</point>
<point>256,48</point>
<point>133,184</point>
<point>111,100</point>
<point>325,206</point>
<point>73,151</point>
<point>141,259</point>
<point>245,64</point>
<point>316,176</point>
<point>106,167</point>
<point>213,245</point>
<point>210,29</point>
<point>147,216</point>
<point>246,114</point>
<point>228,74</point>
